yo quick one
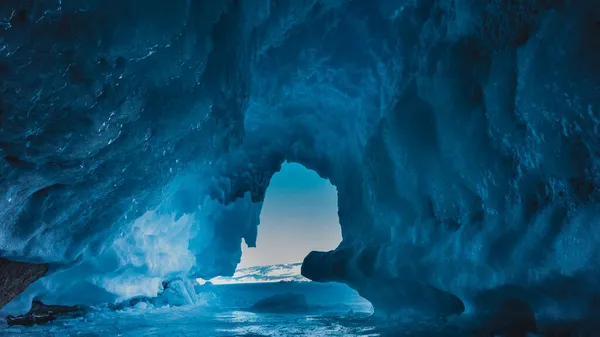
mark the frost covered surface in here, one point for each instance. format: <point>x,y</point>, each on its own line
<point>462,137</point>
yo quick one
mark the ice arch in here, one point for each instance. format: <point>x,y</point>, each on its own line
<point>299,215</point>
<point>462,137</point>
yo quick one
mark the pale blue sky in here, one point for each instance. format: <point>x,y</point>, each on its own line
<point>299,215</point>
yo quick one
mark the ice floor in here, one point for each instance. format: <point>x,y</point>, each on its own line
<point>335,311</point>
<point>195,321</point>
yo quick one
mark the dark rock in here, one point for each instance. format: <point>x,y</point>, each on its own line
<point>41,313</point>
<point>16,276</point>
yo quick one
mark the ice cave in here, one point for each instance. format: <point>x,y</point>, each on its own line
<point>138,139</point>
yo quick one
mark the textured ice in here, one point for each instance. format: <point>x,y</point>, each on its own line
<point>155,249</point>
<point>136,144</point>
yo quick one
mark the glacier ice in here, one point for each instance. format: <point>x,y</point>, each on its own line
<point>136,144</point>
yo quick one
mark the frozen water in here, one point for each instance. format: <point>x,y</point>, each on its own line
<point>333,310</point>
<point>197,321</point>
<point>180,292</point>
<point>328,316</point>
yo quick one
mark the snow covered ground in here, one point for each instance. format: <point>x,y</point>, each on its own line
<point>260,274</point>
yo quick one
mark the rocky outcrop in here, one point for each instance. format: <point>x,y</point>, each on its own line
<point>16,276</point>
<point>41,313</point>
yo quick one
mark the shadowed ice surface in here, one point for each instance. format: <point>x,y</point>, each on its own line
<point>332,309</point>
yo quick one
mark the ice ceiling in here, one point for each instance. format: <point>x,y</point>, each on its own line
<point>137,141</point>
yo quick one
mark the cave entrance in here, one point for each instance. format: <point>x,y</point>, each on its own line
<point>299,215</point>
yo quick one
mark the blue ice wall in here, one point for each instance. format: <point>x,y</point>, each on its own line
<point>462,137</point>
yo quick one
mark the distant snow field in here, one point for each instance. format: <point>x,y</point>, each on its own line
<point>262,274</point>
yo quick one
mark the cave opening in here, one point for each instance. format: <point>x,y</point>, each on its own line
<point>299,215</point>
